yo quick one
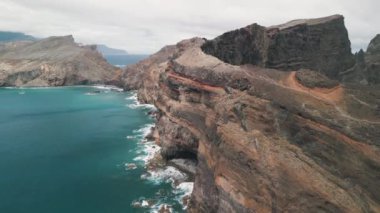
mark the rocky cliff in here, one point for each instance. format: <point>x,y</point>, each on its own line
<point>54,61</point>
<point>269,128</point>
<point>367,67</point>
<point>319,44</point>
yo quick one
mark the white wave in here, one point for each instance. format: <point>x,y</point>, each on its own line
<point>141,203</point>
<point>138,105</point>
<point>168,174</point>
<point>130,137</point>
<point>132,97</point>
<point>130,166</point>
<point>133,106</point>
<point>146,149</point>
<point>145,130</point>
<point>153,207</point>
<point>108,87</point>
<point>144,203</point>
<point>149,150</point>
<point>183,190</point>
<point>156,208</point>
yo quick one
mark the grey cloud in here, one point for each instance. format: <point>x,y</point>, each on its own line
<point>144,26</point>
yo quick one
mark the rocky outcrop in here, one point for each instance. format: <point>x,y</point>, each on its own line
<point>265,140</point>
<point>367,66</point>
<point>54,61</point>
<point>175,140</point>
<point>319,44</point>
<point>372,60</point>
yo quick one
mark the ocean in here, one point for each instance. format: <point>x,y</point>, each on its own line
<point>80,149</point>
<point>123,60</point>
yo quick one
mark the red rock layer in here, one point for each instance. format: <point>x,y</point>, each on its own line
<point>264,141</point>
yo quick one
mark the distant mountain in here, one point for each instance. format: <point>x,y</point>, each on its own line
<point>54,61</point>
<point>116,57</point>
<point>6,36</point>
<point>110,51</point>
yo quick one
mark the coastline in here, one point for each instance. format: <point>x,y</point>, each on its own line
<point>157,169</point>
<point>99,86</point>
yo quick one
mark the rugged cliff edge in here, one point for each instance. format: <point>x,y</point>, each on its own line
<point>288,139</point>
<point>367,66</point>
<point>55,61</point>
<point>319,44</point>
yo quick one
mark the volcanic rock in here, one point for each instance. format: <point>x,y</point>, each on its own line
<point>267,140</point>
<point>55,61</point>
<point>319,44</point>
<point>367,67</point>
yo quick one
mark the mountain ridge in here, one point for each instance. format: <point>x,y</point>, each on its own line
<point>8,36</point>
<point>54,61</point>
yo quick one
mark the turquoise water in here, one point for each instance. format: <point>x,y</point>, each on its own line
<point>64,150</point>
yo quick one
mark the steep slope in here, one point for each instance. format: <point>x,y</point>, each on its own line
<point>265,140</point>
<point>54,61</point>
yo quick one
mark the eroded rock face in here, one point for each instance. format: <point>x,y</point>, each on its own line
<point>372,59</point>
<point>54,61</point>
<point>266,140</point>
<point>318,44</point>
<point>374,46</point>
<point>367,67</point>
<point>175,140</point>
<point>248,45</point>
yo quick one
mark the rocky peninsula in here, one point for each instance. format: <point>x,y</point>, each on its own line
<point>279,119</point>
<point>54,61</point>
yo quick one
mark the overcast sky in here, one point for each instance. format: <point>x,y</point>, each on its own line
<point>144,26</point>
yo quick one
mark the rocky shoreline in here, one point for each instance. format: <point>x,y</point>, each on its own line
<point>273,119</point>
<point>268,136</point>
<point>179,172</point>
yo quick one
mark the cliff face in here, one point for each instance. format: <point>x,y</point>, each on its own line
<point>265,140</point>
<point>54,61</point>
<point>318,44</point>
<point>372,60</point>
<point>367,67</point>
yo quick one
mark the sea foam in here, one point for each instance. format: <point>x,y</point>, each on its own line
<point>108,87</point>
<point>146,152</point>
<point>136,104</point>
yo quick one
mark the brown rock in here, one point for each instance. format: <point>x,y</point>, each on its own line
<point>267,140</point>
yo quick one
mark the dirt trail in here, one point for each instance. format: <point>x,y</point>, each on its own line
<point>188,81</point>
<point>334,94</point>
